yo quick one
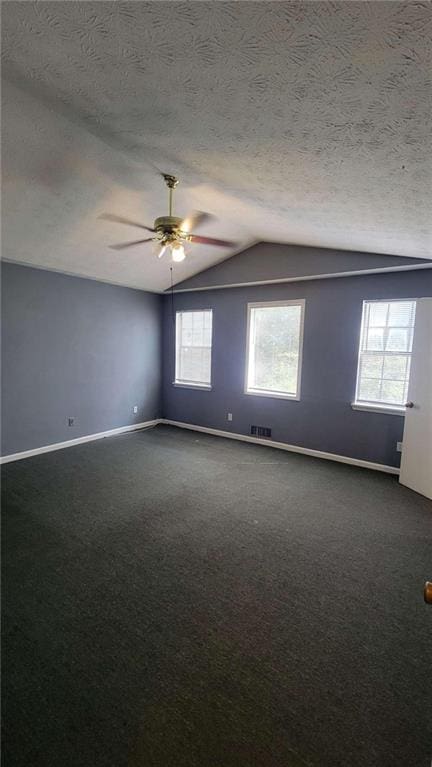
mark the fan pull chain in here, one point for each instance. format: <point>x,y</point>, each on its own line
<point>172,297</point>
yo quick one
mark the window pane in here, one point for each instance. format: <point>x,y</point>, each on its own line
<point>198,336</point>
<point>274,348</point>
<point>207,336</point>
<point>407,374</point>
<point>395,367</point>
<point>393,392</point>
<point>377,314</point>
<point>369,389</point>
<point>193,347</point>
<point>375,339</point>
<point>195,364</point>
<point>385,351</point>
<point>398,340</point>
<point>401,313</point>
<point>371,365</point>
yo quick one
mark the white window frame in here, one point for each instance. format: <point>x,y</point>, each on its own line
<point>274,394</point>
<point>182,383</point>
<point>376,407</point>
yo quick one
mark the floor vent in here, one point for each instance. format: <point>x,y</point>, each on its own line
<point>260,431</point>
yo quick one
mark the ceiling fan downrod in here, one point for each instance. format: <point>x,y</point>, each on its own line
<point>171,182</point>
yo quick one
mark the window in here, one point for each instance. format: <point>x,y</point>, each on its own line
<point>274,348</point>
<point>385,353</point>
<point>193,348</point>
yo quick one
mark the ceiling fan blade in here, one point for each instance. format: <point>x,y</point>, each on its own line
<point>211,241</point>
<point>121,220</point>
<point>195,219</point>
<point>122,245</point>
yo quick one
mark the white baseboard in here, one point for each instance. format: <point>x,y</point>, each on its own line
<point>284,446</point>
<point>77,441</point>
<point>206,430</point>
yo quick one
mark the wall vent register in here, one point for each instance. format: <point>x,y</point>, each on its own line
<point>261,431</point>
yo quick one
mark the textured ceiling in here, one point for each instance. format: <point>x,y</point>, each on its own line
<point>295,122</point>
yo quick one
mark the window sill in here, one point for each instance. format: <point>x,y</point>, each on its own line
<point>181,385</point>
<point>389,410</point>
<point>274,395</point>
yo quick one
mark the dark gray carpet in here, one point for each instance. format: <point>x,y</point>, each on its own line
<point>178,600</point>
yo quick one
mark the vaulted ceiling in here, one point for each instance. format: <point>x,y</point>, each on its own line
<point>293,122</point>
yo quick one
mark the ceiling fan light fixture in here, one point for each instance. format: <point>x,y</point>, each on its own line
<point>178,252</point>
<point>170,231</point>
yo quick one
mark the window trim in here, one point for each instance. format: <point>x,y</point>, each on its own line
<point>183,383</point>
<point>370,406</point>
<point>262,392</point>
<point>192,385</point>
<point>376,407</point>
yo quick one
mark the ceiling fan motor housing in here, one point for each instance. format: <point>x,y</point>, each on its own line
<point>168,225</point>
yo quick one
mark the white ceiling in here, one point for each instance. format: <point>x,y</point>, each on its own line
<point>297,122</point>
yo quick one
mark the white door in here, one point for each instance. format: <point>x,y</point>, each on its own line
<point>416,464</point>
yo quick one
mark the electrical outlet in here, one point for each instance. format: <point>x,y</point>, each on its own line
<point>135,409</point>
<point>399,447</point>
<point>71,421</point>
<point>229,416</point>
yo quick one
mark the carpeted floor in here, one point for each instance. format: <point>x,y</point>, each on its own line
<point>173,599</point>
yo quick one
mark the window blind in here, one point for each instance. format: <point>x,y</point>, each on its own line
<point>193,347</point>
<point>385,352</point>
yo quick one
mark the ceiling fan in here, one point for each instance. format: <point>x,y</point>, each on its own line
<point>170,232</point>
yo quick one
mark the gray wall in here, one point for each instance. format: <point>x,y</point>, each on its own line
<point>75,347</point>
<point>273,261</point>
<point>323,418</point>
